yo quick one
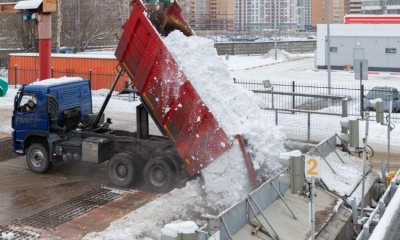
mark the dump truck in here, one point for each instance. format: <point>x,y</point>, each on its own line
<point>62,125</point>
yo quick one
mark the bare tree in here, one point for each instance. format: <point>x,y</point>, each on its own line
<point>59,24</point>
<point>78,23</point>
<point>22,33</point>
<point>88,23</point>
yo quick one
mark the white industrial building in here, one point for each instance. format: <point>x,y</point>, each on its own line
<point>378,43</point>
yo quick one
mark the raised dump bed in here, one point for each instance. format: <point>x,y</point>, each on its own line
<point>168,94</point>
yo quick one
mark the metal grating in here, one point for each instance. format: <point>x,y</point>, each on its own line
<point>73,208</point>
<point>15,235</point>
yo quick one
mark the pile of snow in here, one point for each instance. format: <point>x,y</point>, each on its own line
<point>172,229</point>
<point>237,111</point>
<point>281,55</point>
<point>7,236</point>
<point>348,175</point>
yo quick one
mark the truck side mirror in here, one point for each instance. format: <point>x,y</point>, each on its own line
<point>51,106</point>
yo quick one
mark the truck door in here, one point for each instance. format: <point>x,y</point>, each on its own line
<point>28,116</point>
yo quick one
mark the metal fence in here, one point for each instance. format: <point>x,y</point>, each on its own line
<point>100,82</point>
<point>314,117</point>
<point>3,74</point>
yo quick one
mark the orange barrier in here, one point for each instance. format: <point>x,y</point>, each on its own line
<point>99,69</point>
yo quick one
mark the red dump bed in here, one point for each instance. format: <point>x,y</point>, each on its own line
<point>172,99</point>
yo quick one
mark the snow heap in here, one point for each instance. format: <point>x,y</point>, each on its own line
<point>281,55</point>
<point>237,111</point>
<point>172,229</point>
<point>7,236</point>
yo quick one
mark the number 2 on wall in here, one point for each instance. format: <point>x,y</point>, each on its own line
<point>311,171</point>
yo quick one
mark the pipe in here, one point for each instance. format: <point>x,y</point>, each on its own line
<point>255,230</point>
<point>373,222</point>
<point>364,160</point>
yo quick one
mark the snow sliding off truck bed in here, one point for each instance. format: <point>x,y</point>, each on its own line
<point>166,92</point>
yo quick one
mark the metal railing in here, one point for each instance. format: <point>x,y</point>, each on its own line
<point>294,128</point>
<point>235,218</point>
<point>354,94</point>
<point>252,207</point>
<point>379,212</point>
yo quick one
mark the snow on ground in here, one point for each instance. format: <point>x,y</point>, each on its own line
<point>347,176</point>
<point>241,62</point>
<point>146,222</point>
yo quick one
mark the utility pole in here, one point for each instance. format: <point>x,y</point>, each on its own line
<point>364,162</point>
<point>59,23</point>
<point>120,11</point>
<point>78,26</point>
<point>389,97</point>
<point>276,54</point>
<point>328,50</point>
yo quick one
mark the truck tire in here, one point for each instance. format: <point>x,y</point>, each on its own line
<point>37,158</point>
<point>121,170</point>
<point>158,175</point>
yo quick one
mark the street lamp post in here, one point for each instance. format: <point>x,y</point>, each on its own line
<point>276,54</point>
<point>328,44</point>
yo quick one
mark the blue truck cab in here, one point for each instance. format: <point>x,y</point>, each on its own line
<point>58,105</point>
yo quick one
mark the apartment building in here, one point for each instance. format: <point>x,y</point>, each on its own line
<point>355,6</point>
<point>380,6</point>
<point>208,14</point>
<point>260,14</point>
<point>306,15</point>
<point>337,10</point>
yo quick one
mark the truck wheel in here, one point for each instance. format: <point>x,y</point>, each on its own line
<point>158,175</point>
<point>121,170</point>
<point>37,158</point>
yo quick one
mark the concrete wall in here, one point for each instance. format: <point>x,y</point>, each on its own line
<point>240,48</point>
<point>366,41</point>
